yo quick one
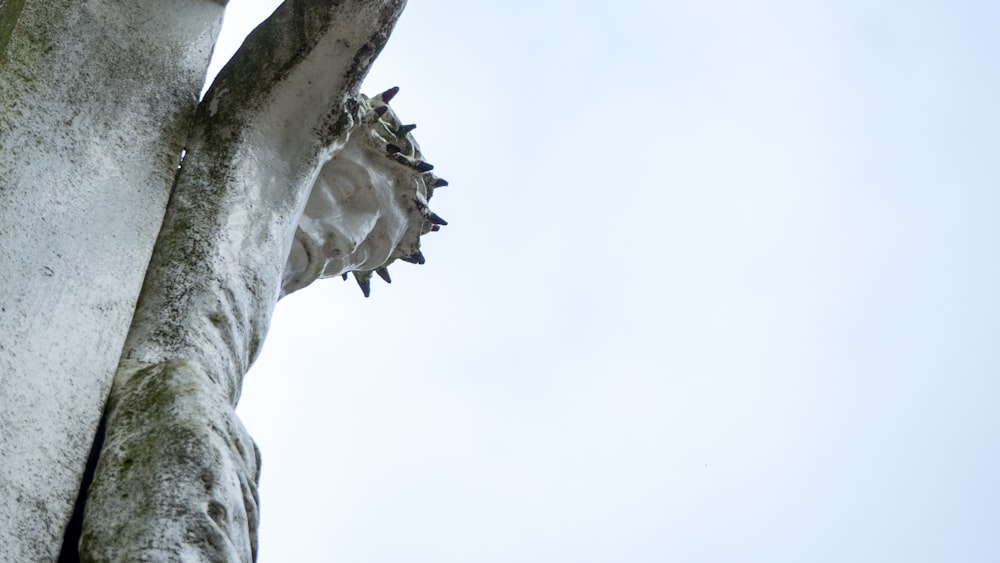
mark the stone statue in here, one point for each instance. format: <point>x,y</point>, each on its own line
<point>145,238</point>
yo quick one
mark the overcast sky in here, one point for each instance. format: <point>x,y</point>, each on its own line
<point>720,284</point>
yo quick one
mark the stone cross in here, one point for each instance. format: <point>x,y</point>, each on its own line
<point>145,238</point>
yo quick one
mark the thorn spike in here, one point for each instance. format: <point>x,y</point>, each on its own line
<point>422,166</point>
<point>435,218</point>
<point>344,275</point>
<point>439,183</point>
<point>435,228</point>
<point>389,94</point>
<point>404,129</point>
<point>364,281</point>
<point>380,110</point>
<point>383,273</point>
<point>416,258</point>
<point>392,149</point>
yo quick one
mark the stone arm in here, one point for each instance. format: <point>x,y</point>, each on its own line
<point>281,109</point>
<point>289,175</point>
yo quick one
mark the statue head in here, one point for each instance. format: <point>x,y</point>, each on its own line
<point>369,205</point>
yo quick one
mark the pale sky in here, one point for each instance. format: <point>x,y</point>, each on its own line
<point>720,284</point>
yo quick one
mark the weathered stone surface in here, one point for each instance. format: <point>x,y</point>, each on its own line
<point>95,100</point>
<point>274,116</point>
<point>10,10</point>
<point>178,485</point>
<point>177,478</point>
<point>289,175</point>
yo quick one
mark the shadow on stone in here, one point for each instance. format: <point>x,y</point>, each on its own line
<point>70,552</point>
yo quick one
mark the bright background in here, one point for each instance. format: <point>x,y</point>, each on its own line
<point>721,284</point>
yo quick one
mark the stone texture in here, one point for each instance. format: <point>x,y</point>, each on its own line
<point>177,474</point>
<point>175,480</point>
<point>274,116</point>
<point>95,100</point>
<point>10,10</point>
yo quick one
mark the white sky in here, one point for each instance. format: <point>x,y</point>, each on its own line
<point>720,284</point>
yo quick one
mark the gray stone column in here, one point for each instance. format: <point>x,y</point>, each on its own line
<point>96,98</point>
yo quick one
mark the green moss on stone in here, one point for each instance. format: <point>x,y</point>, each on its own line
<point>9,12</point>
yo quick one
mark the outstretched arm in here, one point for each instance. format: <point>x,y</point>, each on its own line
<point>282,108</point>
